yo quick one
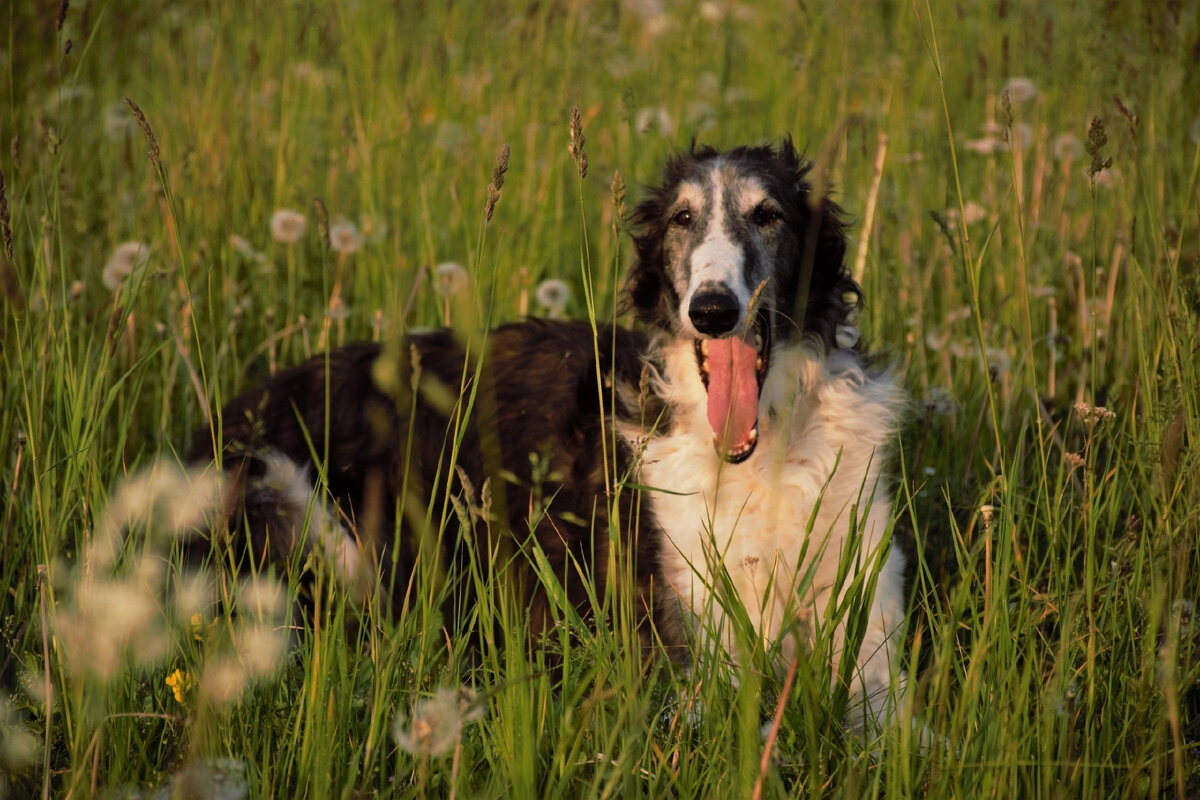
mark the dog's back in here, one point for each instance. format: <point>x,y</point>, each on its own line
<point>357,453</point>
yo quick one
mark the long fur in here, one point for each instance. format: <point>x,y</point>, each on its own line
<point>756,509</point>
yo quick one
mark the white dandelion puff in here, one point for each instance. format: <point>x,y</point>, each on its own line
<point>655,119</point>
<point>1066,147</point>
<point>338,310</point>
<point>711,12</point>
<point>450,278</point>
<point>18,747</point>
<point>109,623</point>
<point>212,778</point>
<point>373,228</point>
<point>118,122</point>
<point>241,245</point>
<point>553,296</point>
<point>260,649</point>
<point>127,258</point>
<point>344,237</point>
<point>287,226</point>
<point>1020,90</point>
<point>263,599</point>
<point>165,498</point>
<point>437,722</point>
<point>223,681</point>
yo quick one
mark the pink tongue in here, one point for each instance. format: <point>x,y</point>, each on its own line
<point>732,391</point>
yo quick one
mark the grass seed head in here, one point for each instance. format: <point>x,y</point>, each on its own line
<point>153,152</point>
<point>322,221</point>
<point>5,227</point>
<point>577,142</point>
<point>493,189</point>
<point>1096,140</point>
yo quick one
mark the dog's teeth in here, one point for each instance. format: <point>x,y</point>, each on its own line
<point>753,436</point>
<point>758,363</point>
<point>704,347</point>
<point>758,341</point>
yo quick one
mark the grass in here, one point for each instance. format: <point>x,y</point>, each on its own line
<point>1010,271</point>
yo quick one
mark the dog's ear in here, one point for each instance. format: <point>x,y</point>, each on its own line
<point>647,292</point>
<point>642,291</point>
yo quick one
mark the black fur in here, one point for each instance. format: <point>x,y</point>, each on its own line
<point>539,398</point>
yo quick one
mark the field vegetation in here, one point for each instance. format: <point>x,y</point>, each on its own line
<point>196,194</point>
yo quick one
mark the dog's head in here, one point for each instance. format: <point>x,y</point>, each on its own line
<point>735,253</point>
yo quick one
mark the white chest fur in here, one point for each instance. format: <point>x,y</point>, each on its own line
<point>777,525</point>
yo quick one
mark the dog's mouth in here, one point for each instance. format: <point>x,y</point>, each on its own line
<point>733,370</point>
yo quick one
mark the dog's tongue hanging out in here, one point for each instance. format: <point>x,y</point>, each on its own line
<point>733,393</point>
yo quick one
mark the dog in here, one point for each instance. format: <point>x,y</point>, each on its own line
<point>727,463</point>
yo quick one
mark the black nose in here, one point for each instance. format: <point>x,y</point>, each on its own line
<point>714,313</point>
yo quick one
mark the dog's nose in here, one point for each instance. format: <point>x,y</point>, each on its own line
<point>714,312</point>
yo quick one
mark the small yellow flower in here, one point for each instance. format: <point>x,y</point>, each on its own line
<point>181,683</point>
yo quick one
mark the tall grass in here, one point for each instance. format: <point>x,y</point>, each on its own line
<point>1018,278</point>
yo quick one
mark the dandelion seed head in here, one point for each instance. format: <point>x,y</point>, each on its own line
<point>243,248</point>
<point>260,648</point>
<point>437,722</point>
<point>999,361</point>
<point>450,278</point>
<point>655,120</point>
<point>940,402</point>
<point>373,228</point>
<point>166,498</point>
<point>118,124</point>
<point>18,746</point>
<point>287,226</point>
<point>986,145</point>
<point>223,681</point>
<point>1020,90</point>
<point>107,623</point>
<point>211,779</point>
<point>338,309</point>
<point>553,295</point>
<point>711,12</point>
<point>262,599</point>
<point>1066,147</point>
<point>192,596</point>
<point>344,237</point>
<point>127,258</point>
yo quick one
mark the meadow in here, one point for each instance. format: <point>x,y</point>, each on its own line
<point>1023,180</point>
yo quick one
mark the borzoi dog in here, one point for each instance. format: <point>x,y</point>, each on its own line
<point>732,457</point>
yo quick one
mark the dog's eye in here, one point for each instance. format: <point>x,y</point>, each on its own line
<point>682,218</point>
<point>762,216</point>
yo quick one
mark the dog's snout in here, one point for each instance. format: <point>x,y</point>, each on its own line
<point>714,312</point>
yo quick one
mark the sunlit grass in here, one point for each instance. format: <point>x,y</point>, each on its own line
<point>1019,280</point>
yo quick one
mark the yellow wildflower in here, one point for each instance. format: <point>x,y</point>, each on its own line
<point>181,683</point>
